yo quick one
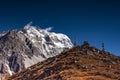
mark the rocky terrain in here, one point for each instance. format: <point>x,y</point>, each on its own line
<point>20,49</point>
<point>83,62</point>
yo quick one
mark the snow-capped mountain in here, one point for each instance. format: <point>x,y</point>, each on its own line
<point>43,43</point>
<point>23,48</point>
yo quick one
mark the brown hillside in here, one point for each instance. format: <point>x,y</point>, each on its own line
<point>79,63</point>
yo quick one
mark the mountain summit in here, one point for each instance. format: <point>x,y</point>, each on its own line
<point>23,48</point>
<point>83,62</point>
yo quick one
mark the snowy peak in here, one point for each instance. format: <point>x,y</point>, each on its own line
<point>44,42</point>
<point>48,40</point>
<point>57,38</point>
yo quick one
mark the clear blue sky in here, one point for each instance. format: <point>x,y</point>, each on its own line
<point>92,20</point>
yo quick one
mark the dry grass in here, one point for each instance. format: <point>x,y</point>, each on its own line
<point>79,63</point>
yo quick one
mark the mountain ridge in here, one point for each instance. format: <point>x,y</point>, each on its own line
<point>83,62</point>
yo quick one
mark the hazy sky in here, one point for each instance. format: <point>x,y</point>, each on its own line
<point>92,20</point>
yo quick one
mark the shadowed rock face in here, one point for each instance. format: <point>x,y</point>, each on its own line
<point>79,63</point>
<point>13,63</point>
<point>12,45</point>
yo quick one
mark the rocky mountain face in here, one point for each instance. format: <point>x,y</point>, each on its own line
<point>83,62</point>
<point>23,48</point>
